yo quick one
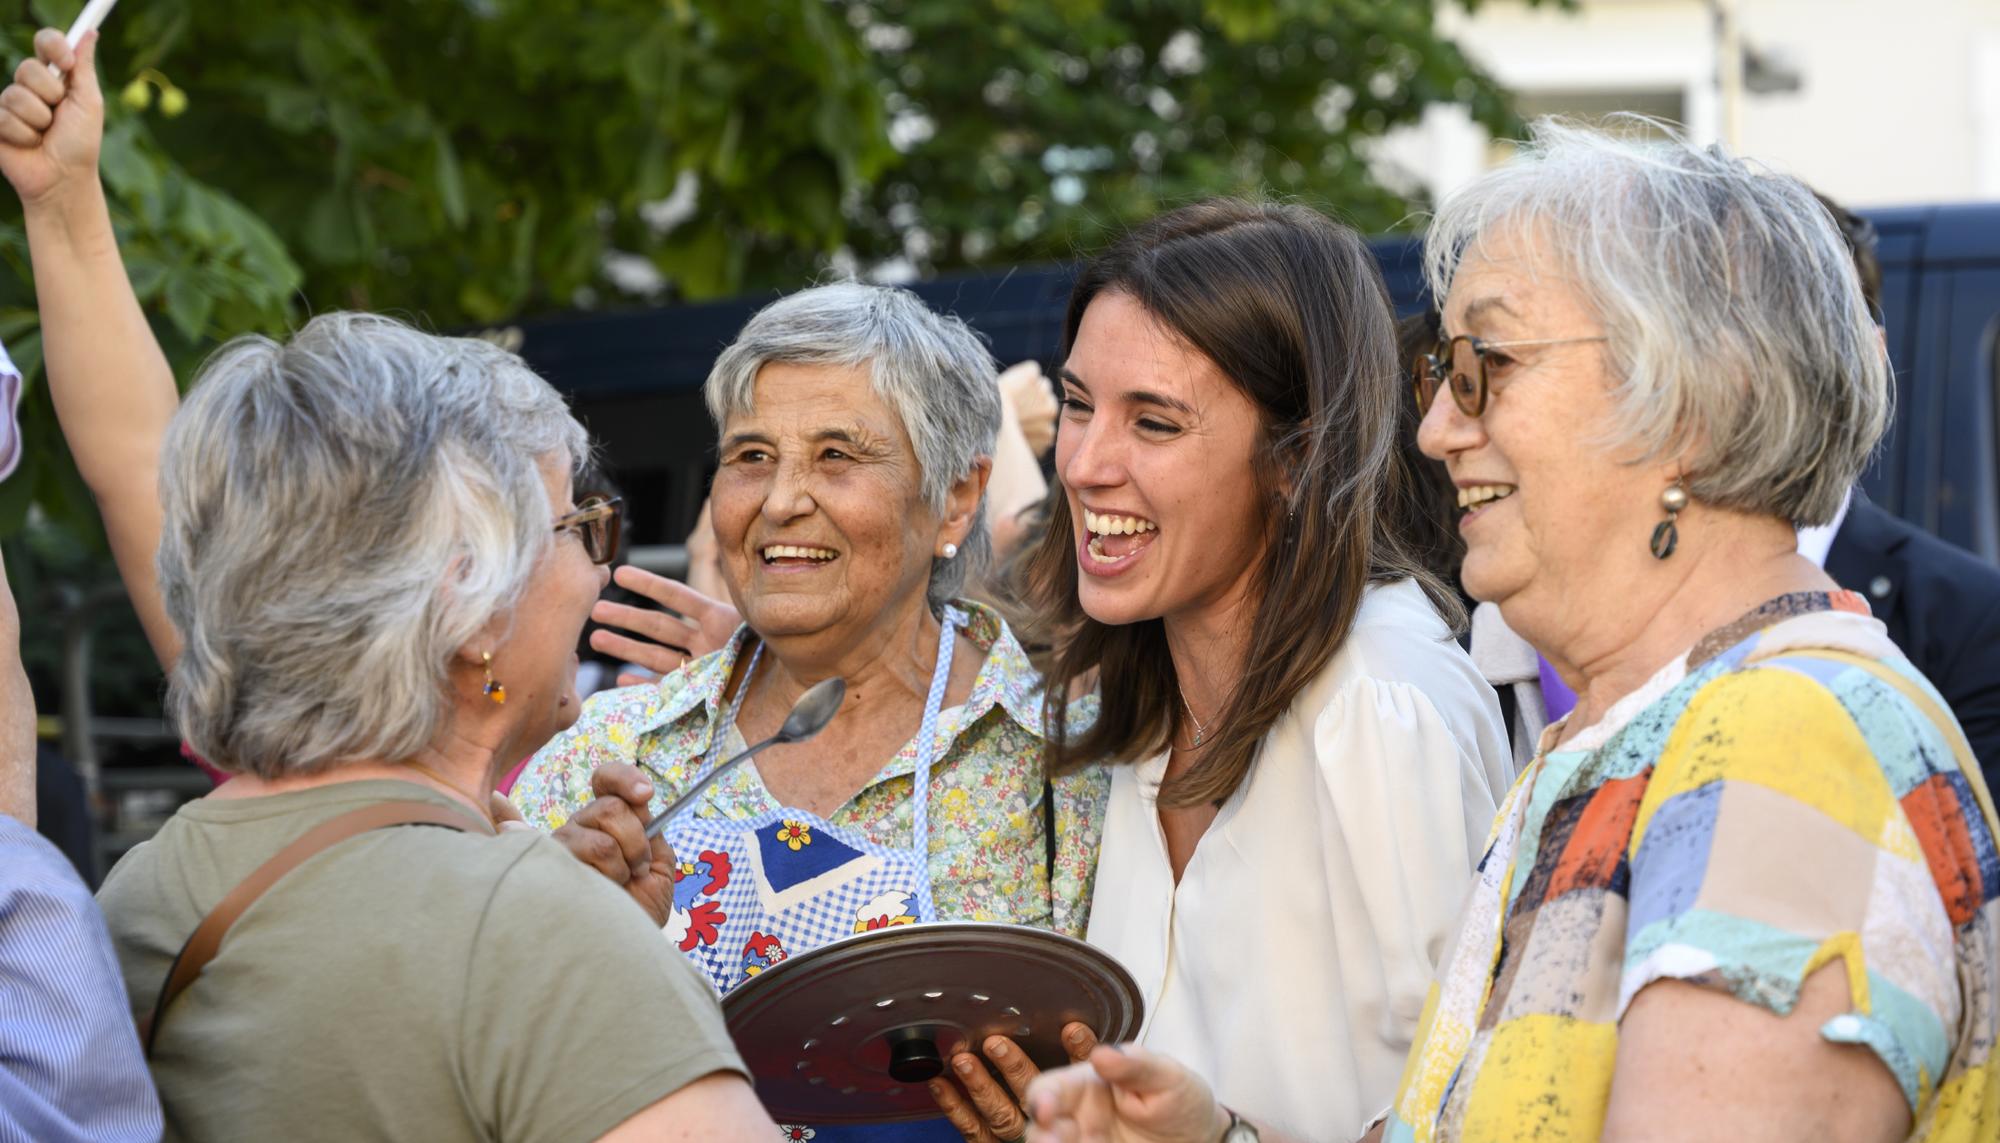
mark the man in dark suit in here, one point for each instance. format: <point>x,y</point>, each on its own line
<point>1940,603</point>
<point>1942,607</point>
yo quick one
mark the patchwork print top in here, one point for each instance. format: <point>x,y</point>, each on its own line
<point>1789,794</point>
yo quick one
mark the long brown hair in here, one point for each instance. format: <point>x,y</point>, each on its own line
<point>1290,306</point>
<point>1432,534</point>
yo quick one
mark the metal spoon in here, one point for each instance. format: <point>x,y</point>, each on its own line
<point>808,717</point>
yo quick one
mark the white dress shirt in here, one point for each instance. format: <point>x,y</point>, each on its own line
<point>1290,966</point>
<point>1816,542</point>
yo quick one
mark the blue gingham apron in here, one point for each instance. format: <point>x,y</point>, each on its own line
<point>749,893</point>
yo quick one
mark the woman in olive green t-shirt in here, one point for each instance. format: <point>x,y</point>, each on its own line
<point>372,573</point>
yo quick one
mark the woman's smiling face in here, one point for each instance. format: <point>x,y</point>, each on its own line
<point>818,506</point>
<point>1157,453</point>
<point>1542,496</point>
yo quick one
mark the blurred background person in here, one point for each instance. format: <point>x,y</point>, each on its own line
<point>1940,603</point>
<point>70,1066</point>
<point>371,578</point>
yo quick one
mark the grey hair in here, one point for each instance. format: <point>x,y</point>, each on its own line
<point>1736,329</point>
<point>930,368</point>
<point>343,513</point>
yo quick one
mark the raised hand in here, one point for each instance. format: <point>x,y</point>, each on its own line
<point>1025,388</point>
<point>665,642</point>
<point>51,128</point>
<point>1124,1095</point>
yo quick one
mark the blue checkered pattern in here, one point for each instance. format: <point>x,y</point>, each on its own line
<point>753,893</point>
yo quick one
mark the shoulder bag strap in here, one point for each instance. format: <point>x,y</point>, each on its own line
<point>206,940</point>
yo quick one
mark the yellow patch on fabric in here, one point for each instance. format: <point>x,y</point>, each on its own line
<point>1783,731</point>
<point>1970,1100</point>
<point>1845,947</point>
<point>1440,1045</point>
<point>1545,1078</point>
<point>1899,840</point>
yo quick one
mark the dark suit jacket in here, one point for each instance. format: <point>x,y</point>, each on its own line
<point>1942,607</point>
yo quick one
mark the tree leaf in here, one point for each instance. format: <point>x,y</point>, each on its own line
<point>331,233</point>
<point>450,182</point>
<point>128,171</point>
<point>188,304</point>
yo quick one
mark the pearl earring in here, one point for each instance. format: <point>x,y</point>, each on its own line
<point>951,551</point>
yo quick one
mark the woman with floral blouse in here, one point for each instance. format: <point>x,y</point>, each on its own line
<point>856,433</point>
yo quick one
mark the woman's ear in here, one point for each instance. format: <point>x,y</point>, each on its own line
<point>961,505</point>
<point>485,642</point>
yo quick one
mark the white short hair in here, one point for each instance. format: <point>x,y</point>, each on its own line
<point>931,369</point>
<point>1736,328</point>
<point>343,513</point>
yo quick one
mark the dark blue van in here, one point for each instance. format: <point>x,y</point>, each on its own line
<point>635,378</point>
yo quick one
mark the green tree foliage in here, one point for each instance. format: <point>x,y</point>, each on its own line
<point>1030,127</point>
<point>466,162</point>
<point>470,161</point>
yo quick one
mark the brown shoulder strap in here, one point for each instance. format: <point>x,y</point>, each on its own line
<point>202,946</point>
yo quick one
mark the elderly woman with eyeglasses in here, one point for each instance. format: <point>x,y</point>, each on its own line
<point>371,575</point>
<point>1746,889</point>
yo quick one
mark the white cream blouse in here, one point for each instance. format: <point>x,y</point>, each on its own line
<point>1289,967</point>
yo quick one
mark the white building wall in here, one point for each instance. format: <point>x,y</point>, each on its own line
<point>1899,100</point>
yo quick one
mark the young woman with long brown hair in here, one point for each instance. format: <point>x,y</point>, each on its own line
<point>1305,762</point>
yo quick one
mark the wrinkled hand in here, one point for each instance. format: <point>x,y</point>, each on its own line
<point>982,1110</point>
<point>609,835</point>
<point>1124,1095</point>
<point>666,642</point>
<point>1034,403</point>
<point>51,128</point>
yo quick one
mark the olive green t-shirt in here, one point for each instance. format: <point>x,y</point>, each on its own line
<point>360,997</point>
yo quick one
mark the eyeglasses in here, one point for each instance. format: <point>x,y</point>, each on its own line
<point>596,520</point>
<point>1462,362</point>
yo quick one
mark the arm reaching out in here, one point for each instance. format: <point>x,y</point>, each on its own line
<point>1128,1095</point>
<point>113,390</point>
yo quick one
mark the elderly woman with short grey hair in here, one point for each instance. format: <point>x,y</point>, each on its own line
<point>1746,889</point>
<point>856,430</point>
<point>365,569</point>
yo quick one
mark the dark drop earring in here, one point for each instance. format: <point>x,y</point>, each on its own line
<point>1667,534</point>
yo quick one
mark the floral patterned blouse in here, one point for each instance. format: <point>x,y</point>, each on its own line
<point>989,843</point>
